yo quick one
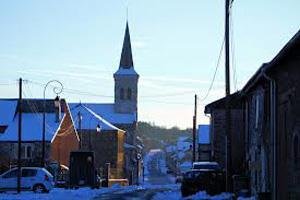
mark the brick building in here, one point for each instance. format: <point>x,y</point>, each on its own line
<point>272,113</point>
<point>216,111</point>
<point>101,137</point>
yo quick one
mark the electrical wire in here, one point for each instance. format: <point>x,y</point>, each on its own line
<point>215,72</point>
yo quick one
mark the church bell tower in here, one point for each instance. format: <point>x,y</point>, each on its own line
<point>126,80</point>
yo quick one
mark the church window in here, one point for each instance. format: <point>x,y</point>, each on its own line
<point>129,94</point>
<point>122,93</point>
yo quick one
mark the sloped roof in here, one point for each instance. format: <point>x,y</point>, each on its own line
<point>32,128</point>
<point>234,103</point>
<point>32,119</point>
<point>126,62</point>
<point>90,119</point>
<point>7,110</point>
<point>203,134</point>
<point>126,55</point>
<point>107,112</point>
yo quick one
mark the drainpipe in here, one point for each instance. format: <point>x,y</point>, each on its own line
<point>273,118</point>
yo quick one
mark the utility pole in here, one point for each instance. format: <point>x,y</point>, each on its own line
<point>227,112</point>
<point>194,129</point>
<point>19,136</point>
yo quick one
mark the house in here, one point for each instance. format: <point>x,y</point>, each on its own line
<point>272,124</point>
<point>217,113</point>
<point>123,113</point>
<point>204,144</point>
<point>179,155</point>
<point>60,135</point>
<point>101,137</point>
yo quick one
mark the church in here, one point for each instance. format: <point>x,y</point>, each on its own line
<point>123,113</point>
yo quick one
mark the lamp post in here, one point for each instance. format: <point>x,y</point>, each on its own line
<point>138,158</point>
<point>57,91</point>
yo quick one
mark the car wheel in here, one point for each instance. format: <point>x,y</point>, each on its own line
<point>39,188</point>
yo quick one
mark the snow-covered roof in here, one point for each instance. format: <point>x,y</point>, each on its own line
<point>32,119</point>
<point>32,128</point>
<point>203,134</point>
<point>7,110</point>
<point>183,146</point>
<point>90,119</point>
<point>107,112</point>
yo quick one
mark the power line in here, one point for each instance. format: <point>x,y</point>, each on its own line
<point>215,72</point>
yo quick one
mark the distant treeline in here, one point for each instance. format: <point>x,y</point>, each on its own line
<point>157,136</point>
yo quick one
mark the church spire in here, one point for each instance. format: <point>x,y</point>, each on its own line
<point>126,61</point>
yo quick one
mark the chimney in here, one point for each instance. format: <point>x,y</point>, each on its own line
<point>57,109</point>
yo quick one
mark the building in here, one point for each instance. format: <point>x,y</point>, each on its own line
<point>60,136</point>
<point>204,143</point>
<point>123,112</point>
<point>101,137</point>
<point>272,128</point>
<point>216,111</point>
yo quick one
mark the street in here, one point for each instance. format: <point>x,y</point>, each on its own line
<point>156,181</point>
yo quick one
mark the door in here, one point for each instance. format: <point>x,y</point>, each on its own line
<point>28,178</point>
<point>8,181</point>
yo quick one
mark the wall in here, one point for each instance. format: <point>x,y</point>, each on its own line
<point>219,138</point>
<point>65,141</point>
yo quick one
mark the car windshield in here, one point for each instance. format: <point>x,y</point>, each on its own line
<point>206,166</point>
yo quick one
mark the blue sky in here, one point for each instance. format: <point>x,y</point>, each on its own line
<point>175,48</point>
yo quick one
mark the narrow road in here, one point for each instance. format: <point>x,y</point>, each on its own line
<point>156,181</point>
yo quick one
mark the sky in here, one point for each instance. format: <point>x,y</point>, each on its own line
<point>175,46</point>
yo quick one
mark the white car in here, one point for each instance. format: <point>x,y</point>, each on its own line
<point>36,179</point>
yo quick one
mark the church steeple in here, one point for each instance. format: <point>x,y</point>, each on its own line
<point>126,80</point>
<point>126,61</point>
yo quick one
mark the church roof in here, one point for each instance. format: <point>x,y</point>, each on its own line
<point>107,112</point>
<point>90,119</point>
<point>126,61</point>
<point>126,55</point>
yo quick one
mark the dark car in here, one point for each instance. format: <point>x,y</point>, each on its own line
<point>210,180</point>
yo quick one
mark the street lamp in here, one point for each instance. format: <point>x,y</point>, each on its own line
<point>98,128</point>
<point>138,158</point>
<point>57,91</point>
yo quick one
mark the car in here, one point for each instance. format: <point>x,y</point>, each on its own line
<point>36,179</point>
<point>206,165</point>
<point>210,180</point>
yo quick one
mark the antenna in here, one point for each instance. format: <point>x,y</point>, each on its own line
<point>127,10</point>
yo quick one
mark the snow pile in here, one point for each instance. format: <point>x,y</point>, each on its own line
<point>60,194</point>
<point>169,195</point>
<point>248,198</point>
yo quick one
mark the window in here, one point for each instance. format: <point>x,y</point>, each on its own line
<point>11,174</point>
<point>29,172</point>
<point>122,93</point>
<point>129,94</point>
<point>296,150</point>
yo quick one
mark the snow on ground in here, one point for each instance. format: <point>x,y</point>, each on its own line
<point>66,194</point>
<point>176,195</point>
